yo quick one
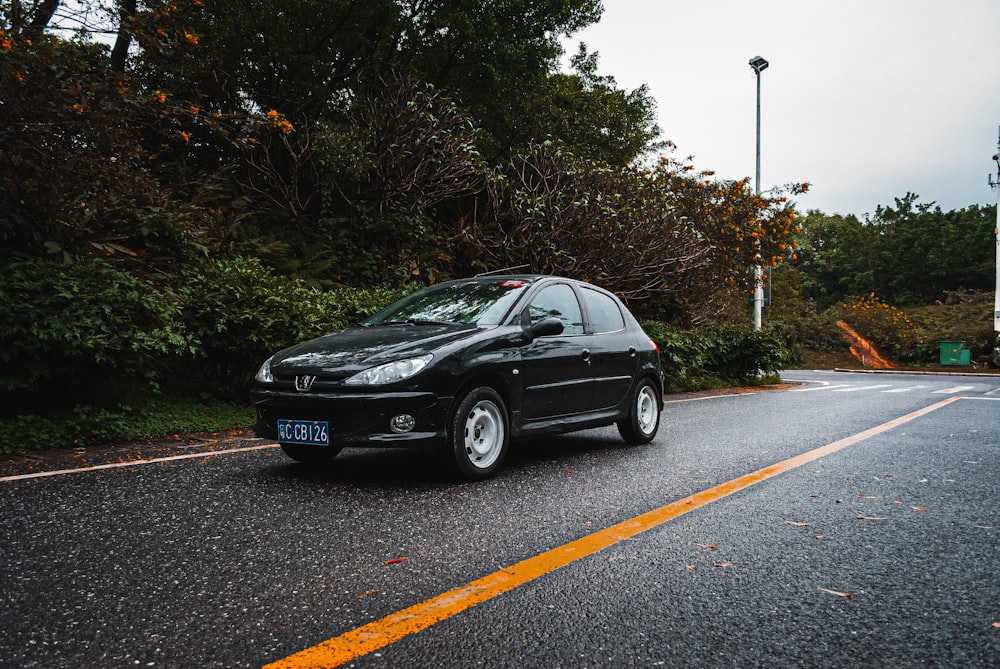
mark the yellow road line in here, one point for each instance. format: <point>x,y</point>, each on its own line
<point>132,463</point>
<point>381,633</point>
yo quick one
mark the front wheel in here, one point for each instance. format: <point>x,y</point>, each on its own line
<point>644,415</point>
<point>310,455</point>
<point>479,434</point>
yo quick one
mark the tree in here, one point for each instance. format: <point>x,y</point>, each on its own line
<point>909,253</point>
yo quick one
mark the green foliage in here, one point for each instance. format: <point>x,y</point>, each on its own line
<point>965,316</point>
<point>908,254</point>
<point>92,333</point>
<point>88,425</point>
<point>86,330</point>
<point>796,316</point>
<point>717,356</point>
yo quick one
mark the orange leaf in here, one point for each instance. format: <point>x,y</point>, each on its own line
<point>723,564</point>
<point>865,496</point>
<point>396,560</point>
<point>917,508</point>
<point>836,592</point>
<point>792,522</point>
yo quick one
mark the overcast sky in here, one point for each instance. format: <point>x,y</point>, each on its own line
<point>865,99</point>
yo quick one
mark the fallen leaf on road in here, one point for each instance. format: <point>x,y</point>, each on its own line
<point>396,560</point>
<point>996,624</point>
<point>365,594</point>
<point>836,592</point>
<point>862,496</point>
<point>792,522</point>
<point>917,508</point>
<point>870,518</point>
<point>691,566</point>
<point>923,480</point>
<point>709,547</point>
<point>723,564</point>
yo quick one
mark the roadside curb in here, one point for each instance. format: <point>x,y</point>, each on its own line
<point>986,375</point>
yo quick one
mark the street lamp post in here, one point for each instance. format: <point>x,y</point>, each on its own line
<point>996,231</point>
<point>759,65</point>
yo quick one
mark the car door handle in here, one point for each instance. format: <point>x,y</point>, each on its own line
<point>586,356</point>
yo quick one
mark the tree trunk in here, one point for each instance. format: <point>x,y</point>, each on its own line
<point>119,54</point>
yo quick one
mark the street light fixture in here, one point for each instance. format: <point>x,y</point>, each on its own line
<point>759,65</point>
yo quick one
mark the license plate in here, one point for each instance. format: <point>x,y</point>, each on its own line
<point>311,432</point>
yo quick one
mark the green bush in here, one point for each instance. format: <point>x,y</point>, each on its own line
<point>238,313</point>
<point>88,425</point>
<point>93,334</point>
<point>83,331</point>
<point>717,356</point>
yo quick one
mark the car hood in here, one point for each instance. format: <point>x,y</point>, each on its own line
<point>350,350</point>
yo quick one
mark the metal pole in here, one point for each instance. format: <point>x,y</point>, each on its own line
<point>758,292</point>
<point>996,231</point>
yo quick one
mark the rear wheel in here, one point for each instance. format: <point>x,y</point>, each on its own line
<point>310,455</point>
<point>644,415</point>
<point>479,433</point>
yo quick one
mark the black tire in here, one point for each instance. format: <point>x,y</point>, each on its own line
<point>643,415</point>
<point>310,455</point>
<point>479,434</point>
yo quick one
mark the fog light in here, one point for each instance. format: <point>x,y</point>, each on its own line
<point>404,422</point>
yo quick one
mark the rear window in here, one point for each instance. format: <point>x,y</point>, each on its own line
<point>605,316</point>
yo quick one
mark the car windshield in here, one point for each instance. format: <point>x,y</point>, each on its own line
<point>474,302</point>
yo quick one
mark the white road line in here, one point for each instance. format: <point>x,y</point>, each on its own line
<point>952,391</point>
<point>902,390</point>
<point>857,388</point>
<point>995,391</point>
<point>134,463</point>
<point>806,390</point>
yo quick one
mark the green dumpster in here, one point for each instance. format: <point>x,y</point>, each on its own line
<point>955,353</point>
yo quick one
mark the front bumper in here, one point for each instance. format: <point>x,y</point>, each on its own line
<point>357,419</point>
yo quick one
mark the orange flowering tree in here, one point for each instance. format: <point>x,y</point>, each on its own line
<point>676,243</point>
<point>741,229</point>
<point>96,163</point>
<point>887,327</point>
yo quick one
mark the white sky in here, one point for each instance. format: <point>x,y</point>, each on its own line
<point>864,99</point>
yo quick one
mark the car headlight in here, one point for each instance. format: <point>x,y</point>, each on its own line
<point>264,373</point>
<point>390,372</point>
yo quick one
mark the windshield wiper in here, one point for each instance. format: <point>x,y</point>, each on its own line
<point>417,321</point>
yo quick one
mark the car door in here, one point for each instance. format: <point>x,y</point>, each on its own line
<point>614,353</point>
<point>556,370</point>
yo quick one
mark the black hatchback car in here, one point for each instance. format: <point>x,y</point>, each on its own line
<point>467,365</point>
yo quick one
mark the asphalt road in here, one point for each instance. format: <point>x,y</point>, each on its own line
<point>879,551</point>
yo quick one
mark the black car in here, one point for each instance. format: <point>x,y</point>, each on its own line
<point>468,365</point>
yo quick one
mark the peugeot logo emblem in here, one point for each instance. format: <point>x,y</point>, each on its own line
<point>304,382</point>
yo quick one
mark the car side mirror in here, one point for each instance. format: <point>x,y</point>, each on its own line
<point>547,327</point>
